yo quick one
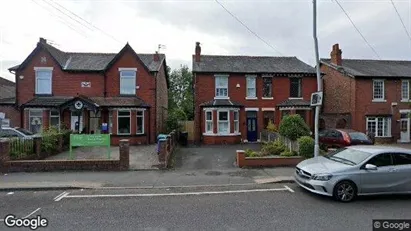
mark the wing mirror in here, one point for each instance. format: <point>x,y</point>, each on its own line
<point>370,167</point>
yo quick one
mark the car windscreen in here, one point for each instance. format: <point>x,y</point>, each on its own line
<point>348,156</point>
<point>25,132</point>
<point>358,136</point>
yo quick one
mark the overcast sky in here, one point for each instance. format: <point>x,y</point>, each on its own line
<point>285,24</point>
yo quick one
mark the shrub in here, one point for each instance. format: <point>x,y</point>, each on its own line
<point>306,146</point>
<point>293,127</point>
<point>173,118</point>
<point>49,142</point>
<point>251,153</point>
<point>273,148</point>
<point>271,126</point>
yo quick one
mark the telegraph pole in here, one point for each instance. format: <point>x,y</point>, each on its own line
<point>319,83</point>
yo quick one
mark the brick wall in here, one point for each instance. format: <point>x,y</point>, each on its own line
<point>12,113</point>
<point>162,99</point>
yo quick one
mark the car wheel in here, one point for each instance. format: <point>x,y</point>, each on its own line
<point>345,191</point>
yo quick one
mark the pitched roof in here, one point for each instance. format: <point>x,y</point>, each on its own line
<point>7,89</point>
<point>47,101</point>
<point>220,103</point>
<point>373,68</point>
<point>77,61</point>
<point>132,101</point>
<point>57,101</point>
<point>294,103</point>
<point>251,64</point>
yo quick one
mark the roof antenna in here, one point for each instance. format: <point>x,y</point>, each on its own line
<point>51,42</point>
<point>161,46</point>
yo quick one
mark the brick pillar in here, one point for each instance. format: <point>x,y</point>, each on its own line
<point>124,147</point>
<point>240,158</point>
<point>37,147</point>
<point>162,156</point>
<point>4,151</point>
<point>46,119</point>
<point>215,121</point>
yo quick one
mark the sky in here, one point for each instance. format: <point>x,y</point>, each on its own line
<point>286,25</point>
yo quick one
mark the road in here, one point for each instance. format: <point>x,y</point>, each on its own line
<point>242,207</point>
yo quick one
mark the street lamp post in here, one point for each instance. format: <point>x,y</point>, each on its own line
<point>319,83</point>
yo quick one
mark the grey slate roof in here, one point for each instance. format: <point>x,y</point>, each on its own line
<point>221,103</point>
<point>76,61</point>
<point>251,64</point>
<point>294,103</point>
<point>56,101</point>
<point>373,68</point>
<point>11,100</point>
<point>7,89</point>
<point>46,101</point>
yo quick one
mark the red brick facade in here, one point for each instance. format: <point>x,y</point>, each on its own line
<point>12,113</point>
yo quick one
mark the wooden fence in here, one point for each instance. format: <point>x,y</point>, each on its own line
<point>267,136</point>
<point>188,126</point>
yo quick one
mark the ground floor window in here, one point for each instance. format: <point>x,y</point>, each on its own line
<point>379,126</point>
<point>123,122</point>
<point>236,121</point>
<point>35,121</point>
<point>268,116</point>
<point>140,122</point>
<point>55,119</point>
<point>110,122</point>
<point>209,122</point>
<point>223,122</point>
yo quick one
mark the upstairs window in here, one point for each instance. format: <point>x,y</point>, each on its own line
<point>267,87</point>
<point>378,90</point>
<point>221,86</point>
<point>251,90</point>
<point>295,88</point>
<point>405,90</point>
<point>128,81</point>
<point>43,80</point>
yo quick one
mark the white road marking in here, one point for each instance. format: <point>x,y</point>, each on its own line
<point>32,213</point>
<point>59,195</point>
<point>10,193</point>
<point>174,194</point>
<point>178,186</point>
<point>288,188</point>
<point>58,198</point>
<point>1,219</point>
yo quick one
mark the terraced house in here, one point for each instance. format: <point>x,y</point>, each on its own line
<point>124,94</point>
<point>236,96</point>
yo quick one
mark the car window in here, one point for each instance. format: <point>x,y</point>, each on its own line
<point>381,160</point>
<point>25,132</point>
<point>358,136</point>
<point>402,158</point>
<point>348,155</point>
<point>338,135</point>
<point>323,133</point>
<point>8,133</point>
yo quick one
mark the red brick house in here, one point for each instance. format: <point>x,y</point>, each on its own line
<point>124,94</point>
<point>367,95</point>
<point>236,96</point>
<point>8,108</point>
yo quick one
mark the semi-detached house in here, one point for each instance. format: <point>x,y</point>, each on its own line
<point>236,96</point>
<point>87,91</point>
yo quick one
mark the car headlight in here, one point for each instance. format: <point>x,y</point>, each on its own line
<point>322,177</point>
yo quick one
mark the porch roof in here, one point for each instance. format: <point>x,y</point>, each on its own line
<point>294,103</point>
<point>221,103</point>
<point>58,101</point>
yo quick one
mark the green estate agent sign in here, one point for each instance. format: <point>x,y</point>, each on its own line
<point>89,141</point>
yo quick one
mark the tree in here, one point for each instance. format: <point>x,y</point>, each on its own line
<point>293,127</point>
<point>181,94</point>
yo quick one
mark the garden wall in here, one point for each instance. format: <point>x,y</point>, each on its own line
<point>166,149</point>
<point>266,161</point>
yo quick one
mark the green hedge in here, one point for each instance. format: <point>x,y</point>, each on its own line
<point>293,127</point>
<point>306,146</point>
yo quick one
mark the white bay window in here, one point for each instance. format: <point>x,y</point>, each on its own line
<point>236,122</point>
<point>379,126</point>
<point>223,122</point>
<point>209,122</point>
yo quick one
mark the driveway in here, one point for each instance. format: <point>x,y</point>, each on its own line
<point>206,157</point>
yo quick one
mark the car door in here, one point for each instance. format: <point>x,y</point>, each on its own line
<point>380,180</point>
<point>402,163</point>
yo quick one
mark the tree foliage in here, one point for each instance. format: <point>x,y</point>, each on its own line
<point>181,94</point>
<point>293,127</point>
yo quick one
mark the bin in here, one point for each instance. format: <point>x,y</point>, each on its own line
<point>183,138</point>
<point>160,137</point>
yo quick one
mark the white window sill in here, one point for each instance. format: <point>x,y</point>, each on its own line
<point>221,97</point>
<point>295,98</point>
<point>221,134</point>
<point>251,98</point>
<point>405,100</point>
<point>267,98</point>
<point>379,100</point>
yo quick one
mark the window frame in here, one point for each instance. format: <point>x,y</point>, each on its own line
<point>270,82</point>
<point>251,79</point>
<point>55,116</point>
<point>407,93</point>
<point>395,156</point>
<point>110,122</point>
<point>143,122</point>
<point>125,77</point>
<point>228,121</point>
<point>300,90</point>
<point>236,120</point>
<point>374,99</point>
<point>37,78</point>
<point>217,79</point>
<point>209,121</point>
<point>391,157</point>
<point>122,116</point>
<point>386,123</point>
<point>30,116</point>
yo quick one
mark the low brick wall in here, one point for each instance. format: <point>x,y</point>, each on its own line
<point>221,139</point>
<point>243,161</point>
<point>166,149</point>
<point>7,165</point>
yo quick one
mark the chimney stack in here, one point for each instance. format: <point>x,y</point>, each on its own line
<point>198,52</point>
<point>336,55</point>
<point>156,57</point>
<point>43,40</point>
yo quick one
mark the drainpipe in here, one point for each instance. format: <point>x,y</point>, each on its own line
<point>149,128</point>
<point>105,84</point>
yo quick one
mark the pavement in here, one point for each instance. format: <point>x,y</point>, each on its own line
<point>246,207</point>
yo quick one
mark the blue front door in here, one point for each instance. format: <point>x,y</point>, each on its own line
<point>251,126</point>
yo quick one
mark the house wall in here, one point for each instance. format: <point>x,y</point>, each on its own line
<point>161,100</point>
<point>12,113</point>
<point>205,91</point>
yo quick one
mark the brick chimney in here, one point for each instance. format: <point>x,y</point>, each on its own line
<point>198,52</point>
<point>336,55</point>
<point>156,57</point>
<point>43,40</point>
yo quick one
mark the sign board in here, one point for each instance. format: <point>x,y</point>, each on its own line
<point>104,127</point>
<point>317,98</point>
<point>2,115</point>
<point>91,140</point>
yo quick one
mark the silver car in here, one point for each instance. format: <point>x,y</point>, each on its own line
<point>357,170</point>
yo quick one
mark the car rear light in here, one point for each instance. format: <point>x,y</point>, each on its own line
<point>347,139</point>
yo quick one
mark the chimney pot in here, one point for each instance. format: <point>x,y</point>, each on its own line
<point>43,40</point>
<point>197,52</point>
<point>336,57</point>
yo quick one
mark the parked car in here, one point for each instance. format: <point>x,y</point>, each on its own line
<point>357,170</point>
<point>337,138</point>
<point>8,132</point>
